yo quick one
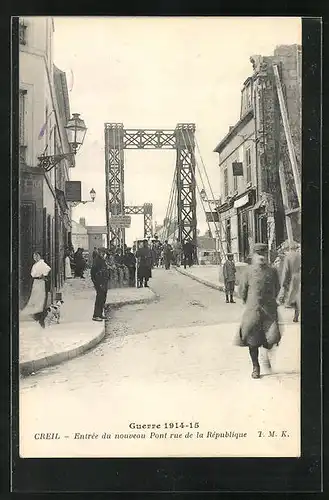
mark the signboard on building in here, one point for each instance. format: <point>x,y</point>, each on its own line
<point>121,221</point>
<point>237,167</point>
<point>73,190</point>
<point>212,216</point>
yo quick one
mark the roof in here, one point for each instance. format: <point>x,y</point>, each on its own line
<point>234,131</point>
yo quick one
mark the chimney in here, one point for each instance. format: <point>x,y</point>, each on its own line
<point>230,128</point>
<point>82,221</point>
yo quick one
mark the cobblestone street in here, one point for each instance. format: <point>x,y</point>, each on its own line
<point>170,359</point>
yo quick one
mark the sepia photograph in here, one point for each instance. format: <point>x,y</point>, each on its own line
<point>160,211</point>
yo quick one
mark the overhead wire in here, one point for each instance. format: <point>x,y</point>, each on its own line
<point>221,225</point>
<point>202,201</point>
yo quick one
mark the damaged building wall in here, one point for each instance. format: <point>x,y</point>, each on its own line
<point>271,141</point>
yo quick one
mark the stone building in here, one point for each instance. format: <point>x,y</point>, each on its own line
<point>251,207</point>
<point>80,234</point>
<point>43,113</point>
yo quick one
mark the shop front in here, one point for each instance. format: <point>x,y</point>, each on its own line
<point>245,224</point>
<point>30,226</point>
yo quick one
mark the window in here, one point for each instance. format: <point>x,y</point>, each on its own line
<point>235,180</point>
<point>246,98</point>
<point>22,112</point>
<point>248,165</point>
<point>225,183</point>
<point>22,33</point>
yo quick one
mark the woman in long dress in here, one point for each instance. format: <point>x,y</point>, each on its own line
<point>68,270</point>
<point>37,304</point>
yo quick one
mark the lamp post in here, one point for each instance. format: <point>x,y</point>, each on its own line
<point>75,131</point>
<point>92,193</point>
<point>203,196</point>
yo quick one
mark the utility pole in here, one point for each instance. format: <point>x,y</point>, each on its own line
<point>287,131</point>
<point>285,202</point>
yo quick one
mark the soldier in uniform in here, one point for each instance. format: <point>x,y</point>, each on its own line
<point>290,280</point>
<point>259,290</point>
<point>229,277</point>
<point>144,259</point>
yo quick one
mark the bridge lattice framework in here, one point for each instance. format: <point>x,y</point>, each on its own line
<point>182,138</point>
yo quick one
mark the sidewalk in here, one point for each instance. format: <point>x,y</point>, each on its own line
<point>209,276</point>
<point>76,333</point>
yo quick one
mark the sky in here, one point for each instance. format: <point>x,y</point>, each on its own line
<point>152,72</point>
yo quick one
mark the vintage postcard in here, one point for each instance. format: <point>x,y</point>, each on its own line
<point>160,244</point>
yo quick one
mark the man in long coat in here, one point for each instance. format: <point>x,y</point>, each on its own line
<point>259,290</point>
<point>99,274</point>
<point>290,280</point>
<point>144,260</point>
<point>130,262</point>
<point>229,277</point>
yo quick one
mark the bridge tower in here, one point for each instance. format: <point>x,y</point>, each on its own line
<point>182,139</point>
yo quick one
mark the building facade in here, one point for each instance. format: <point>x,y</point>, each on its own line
<point>45,224</point>
<point>251,208</point>
<point>80,235</point>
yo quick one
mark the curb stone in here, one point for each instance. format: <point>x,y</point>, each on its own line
<point>220,287</point>
<point>27,368</point>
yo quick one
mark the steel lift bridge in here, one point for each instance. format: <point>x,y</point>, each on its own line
<point>182,138</point>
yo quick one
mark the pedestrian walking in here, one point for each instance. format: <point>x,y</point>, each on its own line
<point>130,263</point>
<point>99,276</point>
<point>259,290</point>
<point>188,251</point>
<point>80,263</point>
<point>37,304</point>
<point>144,260</point>
<point>291,280</point>
<point>167,254</point>
<point>229,272</point>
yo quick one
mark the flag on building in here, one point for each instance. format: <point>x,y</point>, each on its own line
<point>44,126</point>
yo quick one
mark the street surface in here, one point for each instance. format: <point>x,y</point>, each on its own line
<point>171,360</point>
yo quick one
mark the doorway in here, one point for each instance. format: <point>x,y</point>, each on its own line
<point>26,223</point>
<point>244,246</point>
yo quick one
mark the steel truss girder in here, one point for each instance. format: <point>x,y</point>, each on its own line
<point>114,173</point>
<point>134,210</point>
<point>147,211</point>
<point>185,179</point>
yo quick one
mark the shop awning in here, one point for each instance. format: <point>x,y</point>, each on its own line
<point>241,202</point>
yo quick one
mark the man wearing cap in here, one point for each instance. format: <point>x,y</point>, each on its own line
<point>259,289</point>
<point>290,280</point>
<point>229,277</point>
<point>144,259</point>
<point>99,274</point>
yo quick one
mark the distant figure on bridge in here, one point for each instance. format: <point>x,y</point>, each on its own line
<point>144,260</point>
<point>94,254</point>
<point>188,251</point>
<point>167,254</point>
<point>229,277</point>
<point>157,247</point>
<point>129,261</point>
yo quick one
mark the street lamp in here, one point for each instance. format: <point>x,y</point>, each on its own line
<point>75,131</point>
<point>203,196</point>
<point>92,193</point>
